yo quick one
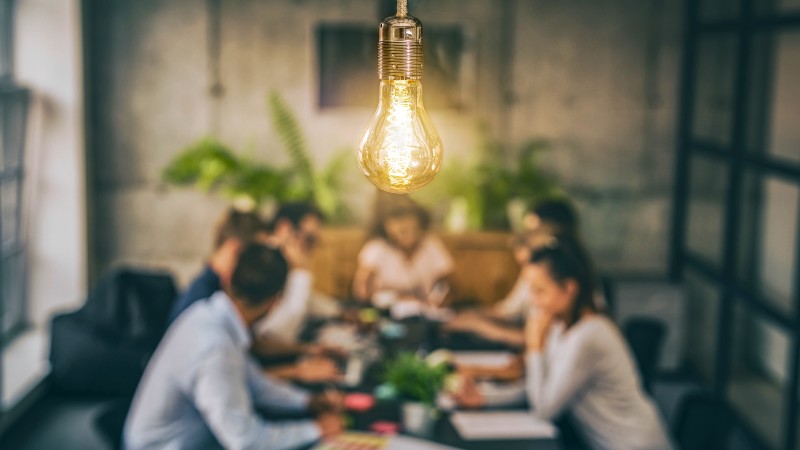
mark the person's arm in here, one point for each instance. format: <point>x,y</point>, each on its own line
<point>220,391</point>
<point>286,319</point>
<point>307,370</point>
<point>511,372</point>
<point>515,305</point>
<point>554,382</point>
<point>508,335</point>
<point>272,393</point>
<point>364,283</point>
<point>487,329</point>
<point>266,346</point>
<point>440,263</point>
<point>364,280</point>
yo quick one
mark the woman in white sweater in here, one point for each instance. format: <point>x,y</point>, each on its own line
<point>577,360</point>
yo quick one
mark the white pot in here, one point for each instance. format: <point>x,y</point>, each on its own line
<point>418,418</point>
<point>457,220</point>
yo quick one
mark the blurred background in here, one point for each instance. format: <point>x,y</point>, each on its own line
<point>673,125</point>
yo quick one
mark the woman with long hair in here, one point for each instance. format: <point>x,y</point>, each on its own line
<point>577,361</point>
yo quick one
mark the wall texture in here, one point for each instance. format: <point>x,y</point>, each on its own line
<point>596,78</point>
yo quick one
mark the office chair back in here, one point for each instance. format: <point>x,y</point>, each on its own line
<point>646,338</point>
<point>703,421</point>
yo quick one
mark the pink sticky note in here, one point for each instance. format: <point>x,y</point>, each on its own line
<point>359,401</point>
<point>385,427</point>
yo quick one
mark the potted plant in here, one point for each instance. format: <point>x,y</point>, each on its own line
<point>508,187</point>
<point>211,166</point>
<point>417,382</point>
<point>493,188</point>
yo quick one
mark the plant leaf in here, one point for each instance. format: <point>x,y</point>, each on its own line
<point>206,163</point>
<point>289,132</point>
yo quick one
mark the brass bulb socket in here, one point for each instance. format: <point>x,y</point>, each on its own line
<point>400,48</point>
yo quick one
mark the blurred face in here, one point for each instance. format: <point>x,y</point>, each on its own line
<point>530,222</point>
<point>308,232</point>
<point>521,254</point>
<point>547,294</point>
<point>405,231</point>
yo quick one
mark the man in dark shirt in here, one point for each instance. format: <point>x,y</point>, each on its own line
<point>235,230</point>
<point>295,229</point>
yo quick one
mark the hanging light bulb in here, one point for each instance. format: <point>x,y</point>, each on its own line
<point>400,151</point>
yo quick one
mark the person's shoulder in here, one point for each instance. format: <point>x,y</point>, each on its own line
<point>432,239</point>
<point>206,277</point>
<point>199,324</point>
<point>374,247</point>
<point>597,330</point>
<point>376,242</point>
<point>433,244</point>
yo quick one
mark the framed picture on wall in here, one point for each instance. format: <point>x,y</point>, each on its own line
<point>347,56</point>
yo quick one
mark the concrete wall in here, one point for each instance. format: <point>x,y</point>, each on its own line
<point>599,79</point>
<point>596,78</point>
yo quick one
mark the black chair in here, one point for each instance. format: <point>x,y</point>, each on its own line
<point>103,348</point>
<point>110,421</point>
<point>568,434</point>
<point>703,421</point>
<point>646,339</point>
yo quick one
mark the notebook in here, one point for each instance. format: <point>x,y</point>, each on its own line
<point>501,425</point>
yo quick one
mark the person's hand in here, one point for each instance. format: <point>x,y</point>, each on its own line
<point>536,329</point>
<point>295,253</point>
<point>324,350</point>
<point>330,424</point>
<point>469,396</point>
<point>464,322</point>
<point>317,369</point>
<point>326,402</point>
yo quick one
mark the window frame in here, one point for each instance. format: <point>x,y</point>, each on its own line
<point>738,158</point>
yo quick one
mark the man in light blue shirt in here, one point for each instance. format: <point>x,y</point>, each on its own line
<point>201,387</point>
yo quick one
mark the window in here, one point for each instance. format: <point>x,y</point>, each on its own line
<point>737,206</point>
<point>6,14</point>
<point>13,114</point>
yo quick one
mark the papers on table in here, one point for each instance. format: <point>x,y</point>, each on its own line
<point>352,441</point>
<point>501,425</point>
<point>497,360</point>
<point>369,441</point>
<point>343,336</point>
<point>398,442</point>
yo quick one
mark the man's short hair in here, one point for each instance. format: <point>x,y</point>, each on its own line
<point>259,275</point>
<point>295,212</point>
<point>240,225</point>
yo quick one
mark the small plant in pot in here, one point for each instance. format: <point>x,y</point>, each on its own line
<point>417,382</point>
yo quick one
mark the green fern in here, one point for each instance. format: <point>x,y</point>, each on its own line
<point>291,135</point>
<point>257,182</point>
